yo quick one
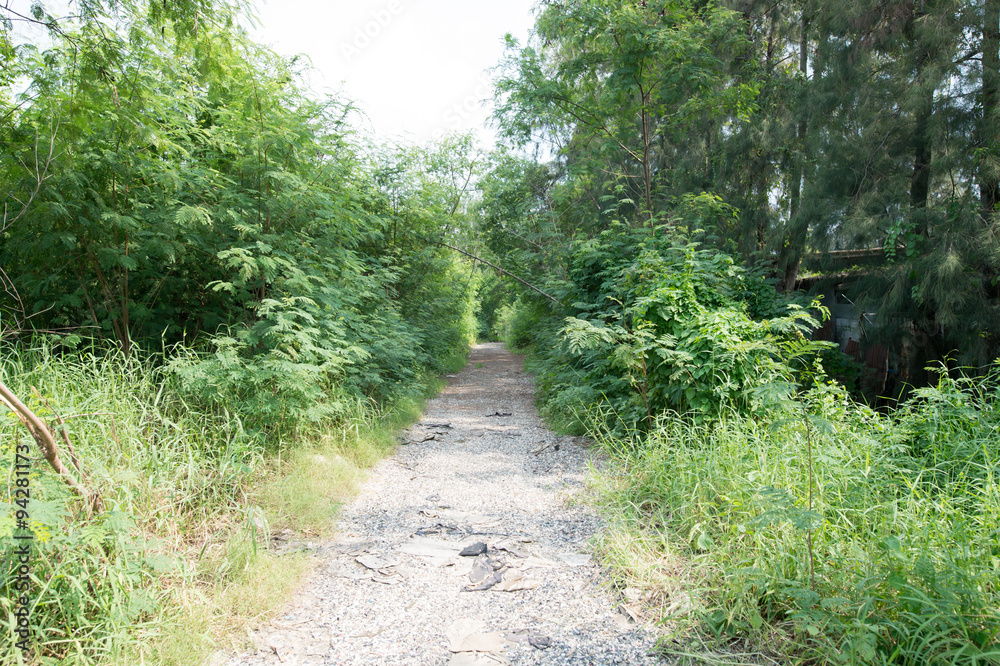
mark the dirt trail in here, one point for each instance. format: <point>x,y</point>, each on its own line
<point>392,588</point>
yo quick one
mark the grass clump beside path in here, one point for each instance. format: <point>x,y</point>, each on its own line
<point>826,532</point>
<point>177,562</point>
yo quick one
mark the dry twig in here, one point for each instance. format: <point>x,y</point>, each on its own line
<point>43,435</point>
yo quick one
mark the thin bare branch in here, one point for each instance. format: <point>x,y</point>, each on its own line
<point>40,173</point>
<point>500,270</point>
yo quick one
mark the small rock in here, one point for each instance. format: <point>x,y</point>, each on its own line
<point>475,549</point>
<point>575,559</point>
<point>529,636</point>
<point>515,581</point>
<point>487,583</point>
<point>467,636</point>
<point>372,562</point>
<point>439,528</point>
<point>481,569</point>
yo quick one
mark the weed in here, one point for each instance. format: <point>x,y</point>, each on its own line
<point>180,558</point>
<point>872,554</point>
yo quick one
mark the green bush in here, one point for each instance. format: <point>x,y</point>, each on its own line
<point>276,374</point>
<point>804,520</point>
<point>492,296</point>
<point>517,323</point>
<point>657,324</point>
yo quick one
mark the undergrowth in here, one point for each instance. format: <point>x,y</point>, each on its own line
<point>757,506</point>
<point>895,562</point>
<point>178,559</point>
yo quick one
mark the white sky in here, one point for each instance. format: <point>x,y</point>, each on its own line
<point>417,68</point>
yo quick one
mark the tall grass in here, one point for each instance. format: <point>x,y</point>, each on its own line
<point>885,549</point>
<point>168,474</point>
<point>179,555</point>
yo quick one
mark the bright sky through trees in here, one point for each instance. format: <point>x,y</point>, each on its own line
<point>417,68</point>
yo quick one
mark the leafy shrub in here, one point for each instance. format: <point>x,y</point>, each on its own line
<point>658,324</point>
<point>491,296</point>
<point>275,374</point>
<point>807,521</point>
<point>517,323</point>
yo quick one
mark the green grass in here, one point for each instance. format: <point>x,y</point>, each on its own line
<point>300,490</point>
<point>178,563</point>
<point>168,474</point>
<point>318,476</point>
<point>895,561</point>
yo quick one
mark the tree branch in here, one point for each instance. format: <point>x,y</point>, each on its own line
<point>40,173</point>
<point>500,270</point>
<point>42,434</point>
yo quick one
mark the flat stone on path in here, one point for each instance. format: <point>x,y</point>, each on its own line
<point>485,477</point>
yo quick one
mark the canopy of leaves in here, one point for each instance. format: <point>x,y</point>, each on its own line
<point>822,126</point>
<point>173,182</point>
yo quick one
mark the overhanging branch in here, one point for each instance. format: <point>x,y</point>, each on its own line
<point>499,270</point>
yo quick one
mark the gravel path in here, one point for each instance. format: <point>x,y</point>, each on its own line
<point>392,587</point>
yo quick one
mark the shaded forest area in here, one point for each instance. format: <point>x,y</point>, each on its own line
<point>207,271</point>
<point>832,145</point>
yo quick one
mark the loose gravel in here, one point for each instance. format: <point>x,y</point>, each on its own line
<point>392,586</point>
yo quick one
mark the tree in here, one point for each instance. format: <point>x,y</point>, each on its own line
<point>612,82</point>
<point>989,181</point>
<point>197,194</point>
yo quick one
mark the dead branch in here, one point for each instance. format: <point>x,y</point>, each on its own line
<point>43,435</point>
<point>11,290</point>
<point>40,173</point>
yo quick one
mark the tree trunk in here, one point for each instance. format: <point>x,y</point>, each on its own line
<point>797,233</point>
<point>989,184</point>
<point>647,170</point>
<point>920,179</point>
